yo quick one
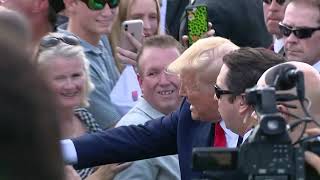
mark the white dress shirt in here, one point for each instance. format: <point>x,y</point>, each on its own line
<point>231,137</point>
<point>278,44</point>
<point>246,135</point>
<point>317,66</point>
<point>163,12</point>
<point>69,152</point>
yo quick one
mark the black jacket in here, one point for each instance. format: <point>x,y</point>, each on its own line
<point>241,21</point>
<point>175,10</point>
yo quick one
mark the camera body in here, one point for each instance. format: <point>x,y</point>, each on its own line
<point>268,152</point>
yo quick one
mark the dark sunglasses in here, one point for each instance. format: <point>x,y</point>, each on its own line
<point>280,2</point>
<point>300,33</point>
<point>50,41</point>
<point>99,4</point>
<point>219,92</point>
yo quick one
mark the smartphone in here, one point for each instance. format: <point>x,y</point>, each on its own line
<point>135,28</point>
<point>197,22</point>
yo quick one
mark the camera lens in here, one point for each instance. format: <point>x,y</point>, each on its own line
<point>273,125</point>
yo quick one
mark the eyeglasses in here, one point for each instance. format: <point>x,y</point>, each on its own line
<point>280,2</point>
<point>50,41</point>
<point>219,92</point>
<point>301,33</point>
<point>100,4</point>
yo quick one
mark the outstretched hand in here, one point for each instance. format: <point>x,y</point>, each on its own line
<point>109,171</point>
<point>71,173</point>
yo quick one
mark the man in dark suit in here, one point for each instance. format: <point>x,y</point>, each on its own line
<point>240,21</point>
<point>189,126</point>
<point>175,10</point>
<point>273,14</point>
<point>241,70</point>
<point>302,45</point>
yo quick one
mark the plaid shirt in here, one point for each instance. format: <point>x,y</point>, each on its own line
<point>90,123</point>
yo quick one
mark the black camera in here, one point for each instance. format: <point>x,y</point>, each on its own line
<point>268,153</point>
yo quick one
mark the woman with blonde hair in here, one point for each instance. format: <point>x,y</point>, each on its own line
<point>146,10</point>
<point>65,68</point>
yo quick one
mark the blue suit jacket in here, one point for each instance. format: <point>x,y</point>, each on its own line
<point>175,133</point>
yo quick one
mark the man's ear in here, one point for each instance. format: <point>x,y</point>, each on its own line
<point>40,6</point>
<point>243,106</point>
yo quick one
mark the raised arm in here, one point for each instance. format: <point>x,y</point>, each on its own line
<point>128,143</point>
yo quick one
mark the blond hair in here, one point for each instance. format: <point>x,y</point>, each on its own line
<point>69,52</point>
<point>204,57</point>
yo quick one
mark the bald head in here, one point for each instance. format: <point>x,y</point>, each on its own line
<point>311,84</point>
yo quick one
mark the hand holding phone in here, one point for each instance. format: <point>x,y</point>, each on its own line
<point>197,22</point>
<point>135,29</point>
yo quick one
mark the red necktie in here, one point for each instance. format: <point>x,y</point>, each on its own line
<point>219,137</point>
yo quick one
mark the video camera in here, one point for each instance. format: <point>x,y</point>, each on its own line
<point>269,152</point>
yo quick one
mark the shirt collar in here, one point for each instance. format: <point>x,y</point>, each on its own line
<point>278,45</point>
<point>148,109</point>
<point>317,66</point>
<point>246,135</point>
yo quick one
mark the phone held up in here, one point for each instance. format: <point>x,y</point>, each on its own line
<point>197,22</point>
<point>135,28</point>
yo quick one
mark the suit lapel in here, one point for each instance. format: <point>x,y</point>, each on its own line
<point>203,135</point>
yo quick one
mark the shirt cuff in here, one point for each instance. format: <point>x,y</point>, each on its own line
<point>69,152</point>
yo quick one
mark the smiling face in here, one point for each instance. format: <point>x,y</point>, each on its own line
<point>200,95</point>
<point>66,77</point>
<point>159,88</point>
<point>91,21</point>
<point>146,10</point>
<point>299,15</point>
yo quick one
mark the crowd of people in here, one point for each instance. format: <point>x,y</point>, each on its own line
<point>85,107</point>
